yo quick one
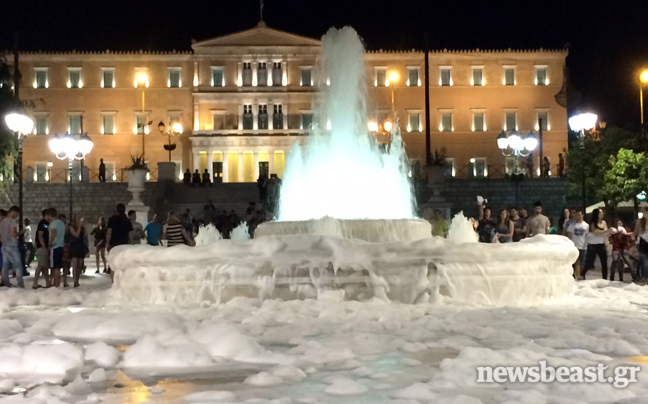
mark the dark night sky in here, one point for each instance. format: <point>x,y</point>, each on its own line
<point>609,39</point>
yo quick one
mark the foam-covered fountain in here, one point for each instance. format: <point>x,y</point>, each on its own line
<point>346,227</point>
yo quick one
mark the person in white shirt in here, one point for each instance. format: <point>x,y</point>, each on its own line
<point>29,243</point>
<point>577,231</point>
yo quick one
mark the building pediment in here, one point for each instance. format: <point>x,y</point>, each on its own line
<point>260,35</point>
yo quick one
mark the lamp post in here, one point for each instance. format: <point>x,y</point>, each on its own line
<point>579,124</point>
<point>22,125</point>
<point>70,148</point>
<point>175,129</point>
<point>142,81</point>
<point>643,78</point>
<point>517,145</point>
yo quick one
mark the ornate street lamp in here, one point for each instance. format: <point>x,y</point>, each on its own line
<point>517,145</point>
<point>175,129</point>
<point>22,125</point>
<point>70,148</point>
<point>579,124</point>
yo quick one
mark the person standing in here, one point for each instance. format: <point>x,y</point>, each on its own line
<point>195,178</point>
<point>546,167</point>
<point>564,221</point>
<point>42,250</point>
<point>620,239</point>
<point>486,227</point>
<point>77,247</point>
<point>577,231</point>
<point>153,231</point>
<point>137,234</point>
<point>561,165</point>
<point>118,229</point>
<point>439,224</point>
<point>175,232</point>
<point>641,233</point>
<point>519,225</point>
<point>29,243</point>
<point>505,228</point>
<point>56,240</point>
<point>596,239</point>
<point>99,233</point>
<point>102,171</point>
<point>529,164</point>
<point>10,254</point>
<point>539,223</point>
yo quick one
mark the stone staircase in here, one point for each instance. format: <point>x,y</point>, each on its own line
<point>180,197</point>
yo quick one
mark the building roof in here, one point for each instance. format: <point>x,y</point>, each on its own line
<point>261,35</point>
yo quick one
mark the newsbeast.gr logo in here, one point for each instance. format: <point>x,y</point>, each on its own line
<point>620,377</point>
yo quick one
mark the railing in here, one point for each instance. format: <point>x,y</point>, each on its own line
<point>499,171</point>
<point>62,175</point>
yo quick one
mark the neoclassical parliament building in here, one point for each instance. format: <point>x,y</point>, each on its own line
<point>245,98</point>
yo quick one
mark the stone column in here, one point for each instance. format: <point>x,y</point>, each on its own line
<point>256,166</point>
<point>225,166</point>
<point>271,167</point>
<point>196,160</point>
<point>196,81</point>
<point>210,163</point>
<point>196,125</point>
<point>241,167</point>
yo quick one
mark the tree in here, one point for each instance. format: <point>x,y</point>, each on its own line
<point>590,158</point>
<point>8,141</point>
<point>626,176</point>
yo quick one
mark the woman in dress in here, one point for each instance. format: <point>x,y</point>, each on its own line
<point>99,233</point>
<point>77,247</point>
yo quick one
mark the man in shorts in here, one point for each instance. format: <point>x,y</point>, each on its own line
<point>10,253</point>
<point>56,238</point>
<point>42,250</point>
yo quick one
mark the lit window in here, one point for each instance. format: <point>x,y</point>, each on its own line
<point>446,122</point>
<point>74,77</point>
<point>480,169</point>
<point>42,126</point>
<point>509,76</point>
<point>41,172</point>
<point>306,120</point>
<point>75,125</point>
<point>413,79</point>
<point>542,120</point>
<point>218,76</point>
<point>277,117</point>
<point>108,124</point>
<point>478,122</point>
<point>247,73</point>
<point>262,117</point>
<point>306,77</point>
<point>449,167</point>
<point>477,76</point>
<point>381,77</point>
<point>248,119</point>
<point>108,77</point>
<point>111,175</point>
<point>41,79</point>
<point>174,77</point>
<point>141,124</point>
<point>541,78</point>
<point>262,74</point>
<point>445,76</point>
<point>510,122</point>
<point>414,122</point>
<point>277,74</point>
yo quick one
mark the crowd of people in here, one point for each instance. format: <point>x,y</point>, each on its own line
<point>592,239</point>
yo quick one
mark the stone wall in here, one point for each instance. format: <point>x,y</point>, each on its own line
<point>92,200</point>
<point>500,193</point>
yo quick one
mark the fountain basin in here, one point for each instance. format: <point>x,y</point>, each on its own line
<point>374,230</point>
<point>313,266</point>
